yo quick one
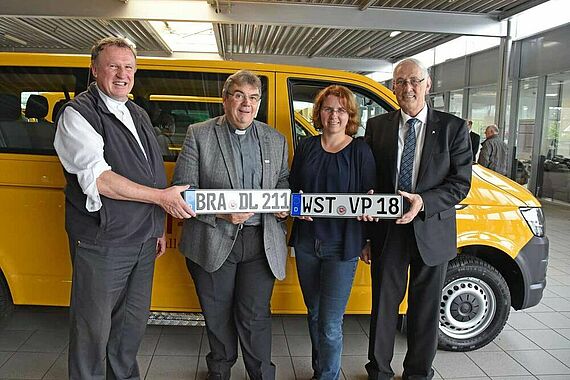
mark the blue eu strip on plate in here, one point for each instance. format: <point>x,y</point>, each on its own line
<point>190,198</point>
<point>295,204</point>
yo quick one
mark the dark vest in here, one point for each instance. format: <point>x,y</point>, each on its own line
<point>117,223</point>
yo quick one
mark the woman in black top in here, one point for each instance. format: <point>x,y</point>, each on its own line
<point>327,249</point>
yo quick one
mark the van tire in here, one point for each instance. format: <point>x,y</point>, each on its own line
<point>6,305</point>
<point>475,304</point>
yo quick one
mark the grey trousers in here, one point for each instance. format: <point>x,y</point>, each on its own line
<point>235,302</point>
<point>110,301</point>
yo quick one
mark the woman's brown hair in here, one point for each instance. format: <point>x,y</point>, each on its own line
<point>347,97</point>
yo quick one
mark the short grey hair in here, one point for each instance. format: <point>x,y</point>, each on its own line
<point>414,61</point>
<point>111,41</point>
<point>494,128</point>
<point>240,78</point>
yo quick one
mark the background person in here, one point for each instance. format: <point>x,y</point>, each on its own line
<point>475,140</point>
<point>115,185</point>
<point>425,155</point>
<point>166,128</point>
<point>327,249</point>
<point>235,258</point>
<point>493,153</point>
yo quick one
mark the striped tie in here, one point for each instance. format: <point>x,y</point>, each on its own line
<point>408,154</point>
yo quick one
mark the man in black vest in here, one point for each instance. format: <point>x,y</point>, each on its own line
<point>116,196</point>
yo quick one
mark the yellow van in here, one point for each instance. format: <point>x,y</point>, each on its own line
<point>503,250</point>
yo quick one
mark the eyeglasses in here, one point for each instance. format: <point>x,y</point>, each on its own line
<point>240,97</point>
<point>330,110</point>
<point>415,82</point>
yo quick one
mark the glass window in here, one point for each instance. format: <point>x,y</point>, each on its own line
<point>508,108</point>
<point>183,98</point>
<point>173,100</point>
<point>456,103</point>
<point>525,128</point>
<point>304,94</point>
<point>437,102</point>
<point>555,147</point>
<point>481,108</point>
<point>28,96</point>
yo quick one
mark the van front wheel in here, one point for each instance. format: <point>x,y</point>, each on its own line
<point>475,304</point>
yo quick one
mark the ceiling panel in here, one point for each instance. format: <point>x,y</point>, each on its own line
<point>328,42</point>
<point>244,33</point>
<point>74,35</point>
<point>469,6</point>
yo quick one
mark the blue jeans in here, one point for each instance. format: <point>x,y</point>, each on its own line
<point>326,281</point>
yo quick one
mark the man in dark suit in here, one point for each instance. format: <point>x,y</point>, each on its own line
<point>475,140</point>
<point>425,155</point>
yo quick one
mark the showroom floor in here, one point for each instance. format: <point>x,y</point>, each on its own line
<point>535,344</point>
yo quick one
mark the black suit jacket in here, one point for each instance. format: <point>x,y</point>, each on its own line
<point>444,179</point>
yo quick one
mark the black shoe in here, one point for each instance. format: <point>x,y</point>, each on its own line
<point>213,376</point>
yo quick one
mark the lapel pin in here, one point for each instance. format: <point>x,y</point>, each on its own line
<point>433,132</point>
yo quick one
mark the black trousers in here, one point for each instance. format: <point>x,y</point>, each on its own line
<point>389,280</point>
<point>235,301</point>
<point>110,301</point>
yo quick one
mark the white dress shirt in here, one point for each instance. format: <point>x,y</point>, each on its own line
<point>420,137</point>
<point>80,147</point>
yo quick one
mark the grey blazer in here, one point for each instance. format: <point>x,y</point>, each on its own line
<point>206,162</point>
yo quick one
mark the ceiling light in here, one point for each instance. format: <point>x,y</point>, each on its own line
<point>14,39</point>
<point>395,33</point>
<point>184,36</point>
<point>364,50</point>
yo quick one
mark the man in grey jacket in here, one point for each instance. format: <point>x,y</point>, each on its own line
<point>235,258</point>
<point>493,153</point>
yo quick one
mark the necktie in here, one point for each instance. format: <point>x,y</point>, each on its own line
<point>408,154</point>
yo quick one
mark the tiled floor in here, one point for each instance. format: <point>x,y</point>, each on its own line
<point>535,344</point>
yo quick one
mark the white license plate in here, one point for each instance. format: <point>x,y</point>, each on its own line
<point>346,205</point>
<point>229,201</point>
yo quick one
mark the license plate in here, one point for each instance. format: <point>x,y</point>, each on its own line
<point>228,201</point>
<point>384,206</point>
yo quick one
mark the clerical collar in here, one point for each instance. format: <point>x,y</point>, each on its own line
<point>239,132</point>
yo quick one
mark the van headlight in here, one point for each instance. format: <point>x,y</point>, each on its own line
<point>534,218</point>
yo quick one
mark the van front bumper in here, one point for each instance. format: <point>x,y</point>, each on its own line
<point>533,260</point>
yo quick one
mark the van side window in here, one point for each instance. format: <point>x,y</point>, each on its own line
<point>303,94</point>
<point>27,98</point>
<point>30,95</point>
<point>174,100</point>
